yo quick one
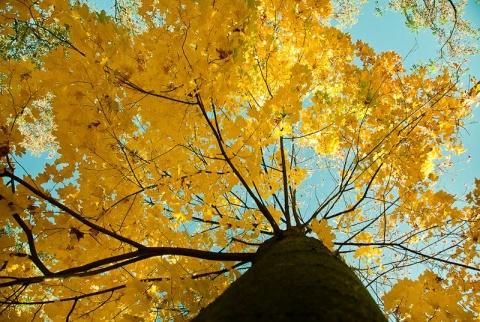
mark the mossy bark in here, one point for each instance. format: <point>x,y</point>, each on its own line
<point>295,278</point>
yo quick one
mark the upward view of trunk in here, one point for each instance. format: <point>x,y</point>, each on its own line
<point>295,279</point>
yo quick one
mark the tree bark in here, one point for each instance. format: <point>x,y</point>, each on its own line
<point>294,278</point>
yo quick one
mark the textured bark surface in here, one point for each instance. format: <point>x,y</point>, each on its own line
<point>295,279</point>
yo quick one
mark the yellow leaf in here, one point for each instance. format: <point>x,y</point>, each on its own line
<point>367,251</point>
<point>324,232</point>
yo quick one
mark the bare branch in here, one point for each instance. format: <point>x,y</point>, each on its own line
<point>364,195</point>
<point>285,184</point>
<point>398,245</point>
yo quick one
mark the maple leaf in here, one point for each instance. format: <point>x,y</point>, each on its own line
<point>4,150</point>
<point>76,233</point>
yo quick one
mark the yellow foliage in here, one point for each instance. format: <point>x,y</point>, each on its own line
<point>368,252</point>
<point>428,298</point>
<point>324,232</point>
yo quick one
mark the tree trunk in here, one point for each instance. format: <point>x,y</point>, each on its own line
<point>295,278</point>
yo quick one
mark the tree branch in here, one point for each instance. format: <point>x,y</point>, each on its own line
<point>31,245</point>
<point>69,211</point>
<point>285,184</point>
<point>131,257</point>
<point>360,200</point>
<point>218,138</point>
<point>393,245</point>
<point>128,84</point>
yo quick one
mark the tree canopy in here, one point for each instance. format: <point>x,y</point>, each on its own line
<point>184,143</point>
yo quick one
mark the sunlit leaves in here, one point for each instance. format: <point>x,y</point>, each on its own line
<point>324,232</point>
<point>366,251</point>
<point>429,297</point>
